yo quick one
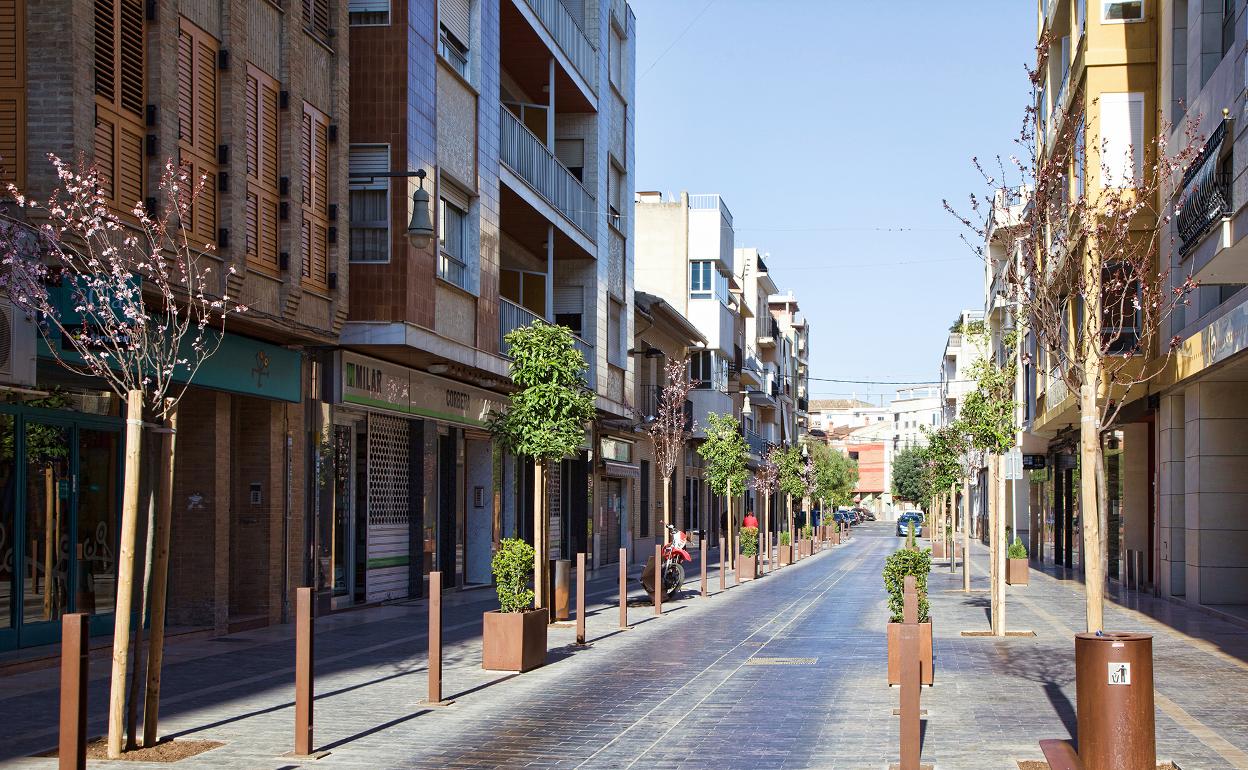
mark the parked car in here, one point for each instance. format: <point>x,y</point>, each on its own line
<point>865,514</point>
<point>903,522</point>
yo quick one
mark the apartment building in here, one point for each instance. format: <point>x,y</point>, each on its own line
<point>255,99</point>
<point>791,358</point>
<point>1194,548</point>
<point>1102,72</point>
<point>685,256</point>
<point>505,128</point>
<point>829,413</point>
<point>763,421</point>
<point>962,349</point>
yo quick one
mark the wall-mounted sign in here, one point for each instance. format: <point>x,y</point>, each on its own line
<point>370,382</point>
<point>1034,462</point>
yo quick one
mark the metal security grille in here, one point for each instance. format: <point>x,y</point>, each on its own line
<point>387,470</point>
<point>781,661</point>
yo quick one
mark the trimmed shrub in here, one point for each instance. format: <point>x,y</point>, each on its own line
<point>785,539</point>
<point>749,541</point>
<point>1017,550</point>
<point>902,562</point>
<point>513,566</point>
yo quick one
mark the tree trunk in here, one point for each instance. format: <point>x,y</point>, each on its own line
<point>1102,503</point>
<point>994,547</point>
<point>539,534</point>
<point>765,540</point>
<point>125,573</point>
<point>792,534</point>
<point>732,564</point>
<point>667,506</point>
<point>1089,513</point>
<point>966,534</point>
<point>950,530</point>
<point>160,581</point>
<point>149,554</point>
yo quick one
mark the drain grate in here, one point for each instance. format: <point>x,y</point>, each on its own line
<point>781,661</point>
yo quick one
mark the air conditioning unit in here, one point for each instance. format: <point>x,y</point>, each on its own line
<point>17,345</point>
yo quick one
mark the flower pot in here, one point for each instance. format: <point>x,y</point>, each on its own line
<point>1016,572</point>
<point>836,538</point>
<point>803,548</point>
<point>938,549</point>
<point>786,554</point>
<point>514,641</point>
<point>924,532</point>
<point>747,567</point>
<point>925,653</point>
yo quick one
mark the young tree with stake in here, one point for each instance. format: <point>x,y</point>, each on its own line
<point>668,432</point>
<point>724,451</point>
<point>136,303</point>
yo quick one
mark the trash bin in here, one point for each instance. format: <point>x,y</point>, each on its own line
<point>1114,693</point>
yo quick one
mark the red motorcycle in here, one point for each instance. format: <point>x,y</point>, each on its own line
<point>673,568</point>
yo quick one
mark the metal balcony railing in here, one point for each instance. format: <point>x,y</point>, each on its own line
<point>570,38</point>
<point>756,443</point>
<point>512,316</point>
<point>533,162</point>
<point>648,400</point>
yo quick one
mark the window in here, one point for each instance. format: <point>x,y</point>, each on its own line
<point>1120,311</point>
<point>451,220</point>
<point>455,33</point>
<point>12,93</point>
<point>571,153</point>
<point>570,307</point>
<point>616,345</point>
<point>617,449</point>
<point>197,128</point>
<point>263,184</point>
<point>316,18</point>
<point>1078,160</point>
<point>1081,15</point>
<point>700,280</point>
<point>368,13</point>
<point>120,71</point>
<point>1178,62</point>
<point>617,59</point>
<point>370,204</point>
<point>700,369</point>
<point>1122,132</point>
<point>1122,11</point>
<point>614,183</point>
<point>1228,26</point>
<point>314,231</point>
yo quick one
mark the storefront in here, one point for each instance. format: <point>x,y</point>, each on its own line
<point>414,480</point>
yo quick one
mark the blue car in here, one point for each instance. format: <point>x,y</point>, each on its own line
<point>903,523</point>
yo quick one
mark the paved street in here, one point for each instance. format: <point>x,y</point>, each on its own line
<point>785,672</point>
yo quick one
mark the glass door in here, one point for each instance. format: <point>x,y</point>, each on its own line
<point>48,504</point>
<point>96,522</point>
<point>10,552</point>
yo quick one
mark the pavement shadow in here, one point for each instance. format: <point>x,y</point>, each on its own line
<point>372,730</point>
<point>1051,678</point>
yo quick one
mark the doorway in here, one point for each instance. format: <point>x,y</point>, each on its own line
<point>349,538</point>
<point>60,503</point>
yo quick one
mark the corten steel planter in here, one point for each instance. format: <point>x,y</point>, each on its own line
<point>1114,696</point>
<point>514,641</point>
<point>1017,572</point>
<point>836,538</point>
<point>747,567</point>
<point>924,532</point>
<point>925,653</point>
<point>786,554</point>
<point>804,548</point>
<point>938,549</point>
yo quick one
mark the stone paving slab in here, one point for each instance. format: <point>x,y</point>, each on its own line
<point>680,691</point>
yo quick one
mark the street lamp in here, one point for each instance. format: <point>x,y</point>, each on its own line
<point>420,228</point>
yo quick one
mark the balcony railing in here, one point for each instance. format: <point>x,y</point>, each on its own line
<point>756,443</point>
<point>526,155</point>
<point>570,38</point>
<point>648,400</point>
<point>1206,194</point>
<point>512,316</point>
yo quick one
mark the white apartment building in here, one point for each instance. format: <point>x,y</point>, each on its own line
<point>828,413</point>
<point>955,365</point>
<point>914,409</point>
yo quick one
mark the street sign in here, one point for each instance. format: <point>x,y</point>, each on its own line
<point>1034,462</point>
<point>1119,673</point>
<point>1013,461</point>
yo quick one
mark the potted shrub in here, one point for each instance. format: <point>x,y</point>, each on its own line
<point>804,545</point>
<point>785,550</point>
<point>747,565</point>
<point>1016,570</point>
<point>514,635</point>
<point>899,564</point>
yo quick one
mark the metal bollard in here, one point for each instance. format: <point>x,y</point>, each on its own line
<point>580,599</point>
<point>74,648</point>
<point>623,588</point>
<point>702,556</point>
<point>910,689</point>
<point>723,576</point>
<point>434,697</point>
<point>658,579</point>
<point>303,671</point>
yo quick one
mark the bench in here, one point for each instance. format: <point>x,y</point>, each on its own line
<point>1060,755</point>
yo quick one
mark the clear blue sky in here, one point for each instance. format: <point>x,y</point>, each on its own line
<point>819,120</point>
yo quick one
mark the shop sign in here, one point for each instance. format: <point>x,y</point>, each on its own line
<point>1034,462</point>
<point>370,382</point>
<point>1217,342</point>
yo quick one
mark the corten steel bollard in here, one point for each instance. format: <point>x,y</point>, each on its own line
<point>580,598</point>
<point>658,579</point>
<point>435,641</point>
<point>303,671</point>
<point>736,573</point>
<point>910,683</point>
<point>623,588</point>
<point>723,576</point>
<point>74,648</point>
<point>702,556</point>
<point>1114,700</point>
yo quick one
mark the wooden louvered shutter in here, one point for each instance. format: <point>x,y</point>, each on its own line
<point>120,73</point>
<point>314,233</point>
<point>12,93</point>
<point>263,199</point>
<point>197,127</point>
<point>316,17</point>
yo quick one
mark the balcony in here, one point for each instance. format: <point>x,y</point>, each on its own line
<point>1206,194</point>
<point>768,333</point>
<point>512,316</point>
<point>530,159</point>
<point>756,443</point>
<point>710,231</point>
<point>648,400</point>
<point>570,38</point>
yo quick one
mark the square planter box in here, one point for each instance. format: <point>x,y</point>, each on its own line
<point>1016,572</point>
<point>938,549</point>
<point>803,548</point>
<point>836,538</point>
<point>925,653</point>
<point>747,567</point>
<point>924,532</point>
<point>786,554</point>
<point>514,641</point>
